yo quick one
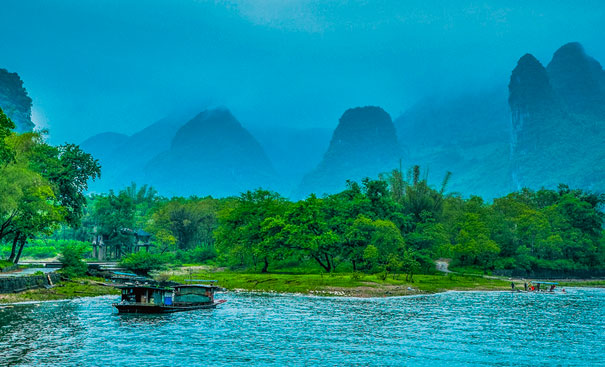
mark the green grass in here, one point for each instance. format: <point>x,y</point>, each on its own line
<point>5,264</point>
<point>81,287</point>
<point>345,283</point>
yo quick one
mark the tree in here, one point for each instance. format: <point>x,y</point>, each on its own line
<point>72,260</point>
<point>240,234</point>
<point>307,231</point>
<point>114,217</point>
<point>68,169</point>
<point>185,223</point>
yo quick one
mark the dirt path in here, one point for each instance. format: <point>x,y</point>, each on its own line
<point>442,266</point>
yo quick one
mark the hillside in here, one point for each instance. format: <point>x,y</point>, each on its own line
<point>212,154</point>
<point>364,144</point>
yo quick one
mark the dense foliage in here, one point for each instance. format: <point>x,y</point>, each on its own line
<point>41,186</point>
<point>392,225</point>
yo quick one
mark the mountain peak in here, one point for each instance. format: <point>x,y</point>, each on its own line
<point>364,144</point>
<point>212,154</point>
<point>578,79</point>
<point>529,88</point>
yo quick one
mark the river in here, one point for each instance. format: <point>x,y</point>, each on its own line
<point>453,328</point>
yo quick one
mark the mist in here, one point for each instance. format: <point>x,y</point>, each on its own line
<point>94,66</point>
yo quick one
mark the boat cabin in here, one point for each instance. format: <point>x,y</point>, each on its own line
<point>147,294</point>
<point>194,294</point>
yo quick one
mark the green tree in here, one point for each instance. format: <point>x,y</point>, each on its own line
<point>114,217</point>
<point>240,231</point>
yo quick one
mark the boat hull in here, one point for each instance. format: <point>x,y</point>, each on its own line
<point>151,308</point>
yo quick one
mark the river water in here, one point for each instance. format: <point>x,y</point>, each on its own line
<point>454,328</point>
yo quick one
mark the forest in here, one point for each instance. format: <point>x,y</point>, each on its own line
<point>394,224</point>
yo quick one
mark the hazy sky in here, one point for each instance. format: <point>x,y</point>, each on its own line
<point>118,65</point>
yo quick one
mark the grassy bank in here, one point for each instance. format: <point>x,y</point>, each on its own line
<point>81,287</point>
<point>342,284</point>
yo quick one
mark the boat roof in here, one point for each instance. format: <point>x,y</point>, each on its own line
<point>196,286</point>
<point>143,286</point>
<point>125,274</point>
<point>201,280</point>
<point>545,282</point>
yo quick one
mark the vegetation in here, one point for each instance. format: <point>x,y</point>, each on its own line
<point>144,262</point>
<point>74,288</point>
<point>41,186</point>
<point>72,260</point>
<point>395,225</point>
<point>390,229</point>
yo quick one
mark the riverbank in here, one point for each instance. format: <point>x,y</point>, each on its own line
<point>341,284</point>
<point>80,287</point>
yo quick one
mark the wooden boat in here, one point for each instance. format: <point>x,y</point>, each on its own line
<point>155,299</point>
<point>538,287</point>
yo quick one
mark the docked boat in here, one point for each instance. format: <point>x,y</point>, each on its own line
<point>156,299</point>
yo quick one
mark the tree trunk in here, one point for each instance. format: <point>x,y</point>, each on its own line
<point>265,266</point>
<point>21,246</point>
<point>330,267</point>
<point>326,267</point>
<point>354,265</point>
<point>14,248</point>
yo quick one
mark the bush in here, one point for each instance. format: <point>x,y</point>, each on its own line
<point>72,259</point>
<point>143,262</point>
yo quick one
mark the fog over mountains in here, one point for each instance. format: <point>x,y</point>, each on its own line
<point>546,128</point>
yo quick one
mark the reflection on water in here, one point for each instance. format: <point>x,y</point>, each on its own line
<point>456,328</point>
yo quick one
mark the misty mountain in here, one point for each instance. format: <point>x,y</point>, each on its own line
<point>14,101</point>
<point>364,144</point>
<point>123,158</point>
<point>467,134</point>
<point>558,121</point>
<point>548,129</point>
<point>212,154</point>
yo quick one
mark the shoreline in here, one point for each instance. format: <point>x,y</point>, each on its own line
<point>319,285</point>
<point>64,290</point>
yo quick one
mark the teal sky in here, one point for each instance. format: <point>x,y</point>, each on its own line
<point>119,65</point>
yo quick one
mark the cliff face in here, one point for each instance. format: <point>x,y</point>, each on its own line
<point>557,119</point>
<point>14,101</point>
<point>211,155</point>
<point>364,144</point>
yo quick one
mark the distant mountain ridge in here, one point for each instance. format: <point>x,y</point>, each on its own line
<point>548,129</point>
<point>124,157</point>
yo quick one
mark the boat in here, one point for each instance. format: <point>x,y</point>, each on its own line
<point>146,298</point>
<point>538,286</point>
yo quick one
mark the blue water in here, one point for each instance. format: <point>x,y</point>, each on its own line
<point>456,328</point>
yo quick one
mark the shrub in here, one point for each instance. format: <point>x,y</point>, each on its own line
<point>72,259</point>
<point>143,262</point>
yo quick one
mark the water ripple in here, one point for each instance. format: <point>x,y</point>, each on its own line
<point>454,328</point>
